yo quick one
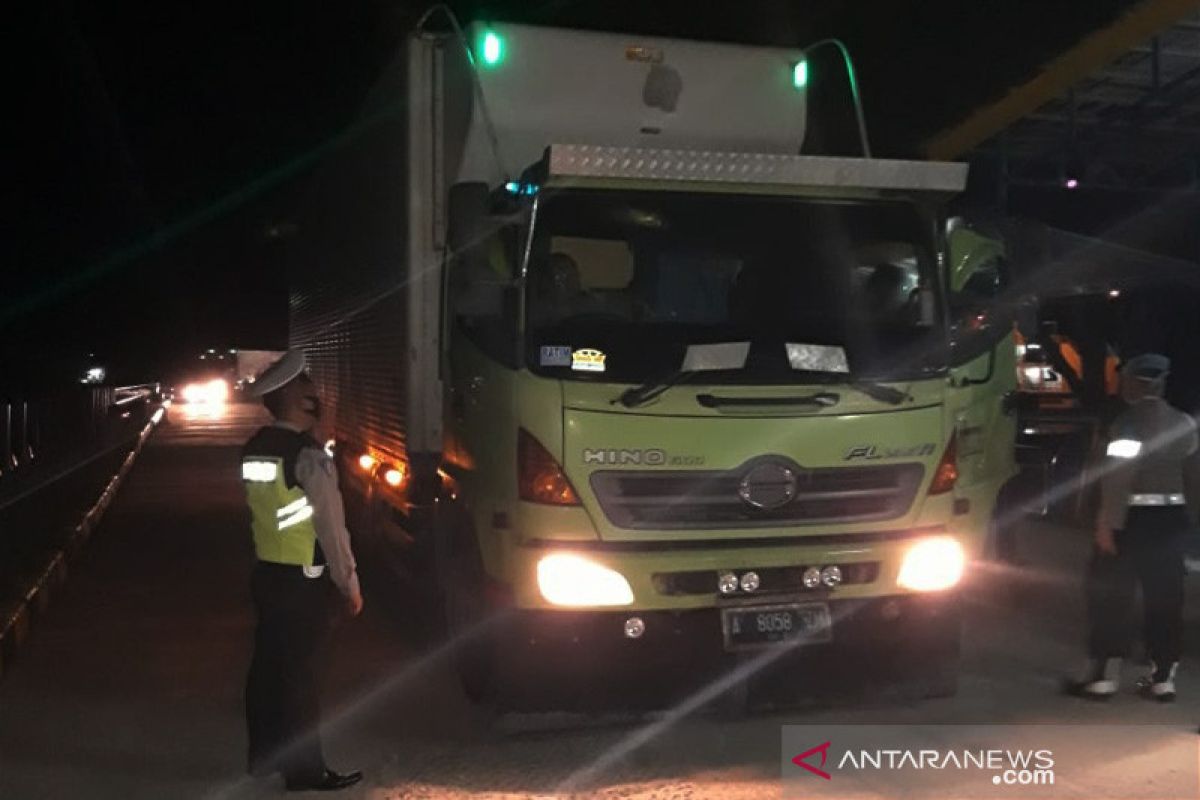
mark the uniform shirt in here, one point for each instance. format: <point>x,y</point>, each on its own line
<point>317,475</point>
<point>1152,449</point>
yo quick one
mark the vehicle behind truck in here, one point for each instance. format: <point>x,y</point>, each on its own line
<point>630,379</point>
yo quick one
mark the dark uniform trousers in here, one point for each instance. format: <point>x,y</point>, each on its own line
<point>1149,553</point>
<point>295,618</point>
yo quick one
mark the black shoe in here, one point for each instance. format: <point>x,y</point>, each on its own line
<point>330,782</point>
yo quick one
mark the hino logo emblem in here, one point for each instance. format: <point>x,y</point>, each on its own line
<point>651,458</point>
<point>768,485</point>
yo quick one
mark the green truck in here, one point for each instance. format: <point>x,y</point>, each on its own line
<point>626,373</point>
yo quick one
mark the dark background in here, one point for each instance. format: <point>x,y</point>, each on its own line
<point>161,142</point>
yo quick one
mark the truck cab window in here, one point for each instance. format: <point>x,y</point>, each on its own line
<point>642,276</point>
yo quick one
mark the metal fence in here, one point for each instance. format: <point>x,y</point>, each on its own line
<point>55,428</point>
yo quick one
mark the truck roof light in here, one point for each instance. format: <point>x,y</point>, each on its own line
<point>800,74</point>
<point>540,479</point>
<point>946,474</point>
<point>491,49</point>
<point>514,187</point>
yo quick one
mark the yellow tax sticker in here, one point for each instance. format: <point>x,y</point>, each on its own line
<point>587,360</point>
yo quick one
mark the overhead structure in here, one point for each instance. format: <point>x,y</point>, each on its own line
<point>1121,108</point>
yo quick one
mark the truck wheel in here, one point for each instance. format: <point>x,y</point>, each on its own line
<point>941,680</point>
<point>938,666</point>
<point>734,702</point>
<point>465,610</point>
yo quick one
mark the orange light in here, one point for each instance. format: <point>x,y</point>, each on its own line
<point>946,474</point>
<point>540,479</point>
<point>366,462</point>
<point>394,476</point>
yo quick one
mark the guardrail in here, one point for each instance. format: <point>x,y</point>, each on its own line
<point>41,434</point>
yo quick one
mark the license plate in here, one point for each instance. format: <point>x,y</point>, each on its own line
<point>760,626</point>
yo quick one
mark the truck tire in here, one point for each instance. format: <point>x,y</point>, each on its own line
<point>733,703</point>
<point>464,608</point>
<point>942,677</point>
<point>938,667</point>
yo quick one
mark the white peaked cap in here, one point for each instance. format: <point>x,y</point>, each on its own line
<point>280,374</point>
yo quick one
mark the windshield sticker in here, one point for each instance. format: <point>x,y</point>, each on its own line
<point>817,358</point>
<point>554,355</point>
<point>587,361</point>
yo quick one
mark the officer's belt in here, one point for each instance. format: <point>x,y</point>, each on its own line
<point>308,572</point>
<point>1156,500</point>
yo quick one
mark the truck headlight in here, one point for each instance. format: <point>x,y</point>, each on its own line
<point>566,579</point>
<point>932,565</point>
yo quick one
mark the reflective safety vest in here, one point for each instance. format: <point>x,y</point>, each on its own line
<point>281,516</point>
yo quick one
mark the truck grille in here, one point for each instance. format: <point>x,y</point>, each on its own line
<point>649,500</point>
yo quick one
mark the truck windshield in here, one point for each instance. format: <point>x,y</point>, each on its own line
<point>621,282</point>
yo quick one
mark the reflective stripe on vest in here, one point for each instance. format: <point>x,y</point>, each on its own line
<point>259,471</point>
<point>281,516</point>
<point>294,513</point>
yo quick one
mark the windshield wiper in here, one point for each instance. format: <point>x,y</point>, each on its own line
<point>877,391</point>
<point>643,393</point>
<point>872,389</point>
<point>820,400</point>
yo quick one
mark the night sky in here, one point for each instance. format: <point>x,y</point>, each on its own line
<point>164,140</point>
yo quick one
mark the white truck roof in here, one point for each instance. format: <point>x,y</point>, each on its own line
<point>548,85</point>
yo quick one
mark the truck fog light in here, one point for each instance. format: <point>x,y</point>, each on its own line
<point>727,583</point>
<point>831,576</point>
<point>932,565</point>
<point>811,578</point>
<point>750,582</point>
<point>566,579</point>
<point>634,628</point>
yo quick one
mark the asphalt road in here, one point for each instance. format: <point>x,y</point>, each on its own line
<point>132,685</point>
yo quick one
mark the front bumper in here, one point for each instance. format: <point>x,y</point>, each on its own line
<point>584,657</point>
<point>919,624</point>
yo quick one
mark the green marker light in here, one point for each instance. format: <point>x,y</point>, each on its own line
<point>800,74</point>
<point>492,49</point>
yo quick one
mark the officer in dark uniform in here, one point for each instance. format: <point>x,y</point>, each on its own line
<point>1143,519</point>
<point>304,562</point>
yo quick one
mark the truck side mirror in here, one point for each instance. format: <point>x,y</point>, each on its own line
<point>974,262</point>
<point>466,234</point>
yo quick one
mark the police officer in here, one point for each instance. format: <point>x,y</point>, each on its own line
<point>1139,534</point>
<point>304,562</point>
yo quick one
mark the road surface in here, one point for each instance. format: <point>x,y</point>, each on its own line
<point>132,685</point>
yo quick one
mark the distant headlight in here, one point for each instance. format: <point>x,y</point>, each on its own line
<point>569,580</point>
<point>933,565</point>
<point>214,391</point>
<point>218,391</point>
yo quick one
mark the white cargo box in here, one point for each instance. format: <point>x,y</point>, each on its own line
<point>580,87</point>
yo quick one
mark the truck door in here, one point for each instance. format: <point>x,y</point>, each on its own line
<point>983,369</point>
